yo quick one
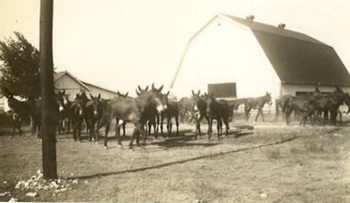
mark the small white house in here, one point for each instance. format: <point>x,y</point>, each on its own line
<point>72,85</point>
<point>258,58</point>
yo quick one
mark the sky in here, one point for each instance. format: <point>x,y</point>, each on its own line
<point>118,44</point>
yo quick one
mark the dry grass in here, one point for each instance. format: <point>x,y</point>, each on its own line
<point>304,165</point>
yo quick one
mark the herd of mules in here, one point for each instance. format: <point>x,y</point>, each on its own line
<point>151,107</point>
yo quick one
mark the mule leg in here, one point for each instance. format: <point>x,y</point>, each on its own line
<point>124,125</point>
<point>218,127</point>
<point>170,126</point>
<point>106,133</point>
<point>161,125</point>
<point>210,126</point>
<point>198,126</point>
<point>177,125</point>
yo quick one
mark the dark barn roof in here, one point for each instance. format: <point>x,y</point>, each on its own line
<point>298,58</point>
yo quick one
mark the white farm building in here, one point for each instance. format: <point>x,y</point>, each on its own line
<point>258,58</point>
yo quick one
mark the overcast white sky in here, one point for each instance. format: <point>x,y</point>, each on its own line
<point>121,43</point>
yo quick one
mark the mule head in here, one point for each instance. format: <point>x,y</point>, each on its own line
<point>157,89</point>
<point>126,94</point>
<point>268,98</point>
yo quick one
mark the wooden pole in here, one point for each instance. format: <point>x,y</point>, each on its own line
<point>48,124</point>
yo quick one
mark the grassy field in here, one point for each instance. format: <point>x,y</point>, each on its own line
<point>277,163</point>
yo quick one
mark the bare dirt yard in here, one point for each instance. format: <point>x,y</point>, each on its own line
<point>276,163</point>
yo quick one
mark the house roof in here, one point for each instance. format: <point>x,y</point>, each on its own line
<point>296,57</point>
<point>107,90</point>
<point>58,75</point>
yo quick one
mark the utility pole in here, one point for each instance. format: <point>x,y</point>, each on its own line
<point>48,123</point>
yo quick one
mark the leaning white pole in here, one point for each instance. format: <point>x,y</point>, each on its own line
<point>186,50</point>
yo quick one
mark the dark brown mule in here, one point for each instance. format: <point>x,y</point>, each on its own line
<point>154,120</point>
<point>257,103</point>
<point>93,112</point>
<point>199,111</point>
<point>302,105</point>
<point>134,110</point>
<point>64,113</point>
<point>172,111</point>
<point>22,110</point>
<point>280,106</point>
<point>77,110</point>
<point>219,110</point>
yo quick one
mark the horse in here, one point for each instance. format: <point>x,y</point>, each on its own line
<point>200,112</point>
<point>257,103</point>
<point>219,110</point>
<point>135,110</point>
<point>172,111</point>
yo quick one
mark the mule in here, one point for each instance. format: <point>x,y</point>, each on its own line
<point>219,110</point>
<point>257,103</point>
<point>117,119</point>
<point>22,110</point>
<point>134,110</point>
<point>200,111</point>
<point>172,111</point>
<point>186,109</point>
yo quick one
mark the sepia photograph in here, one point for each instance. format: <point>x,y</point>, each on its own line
<point>175,101</point>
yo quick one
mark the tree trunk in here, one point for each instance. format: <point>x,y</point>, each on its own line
<point>48,126</point>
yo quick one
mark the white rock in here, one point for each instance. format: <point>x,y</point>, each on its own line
<point>75,181</point>
<point>53,184</point>
<point>5,182</point>
<point>13,200</point>
<point>32,194</point>
<point>263,195</point>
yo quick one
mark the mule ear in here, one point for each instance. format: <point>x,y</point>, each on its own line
<point>161,88</point>
<point>153,88</point>
<point>137,93</point>
<point>138,86</point>
<point>126,94</point>
<point>99,96</point>
<point>167,94</point>
<point>146,88</point>
<point>199,92</point>
<point>193,92</point>
<point>91,96</point>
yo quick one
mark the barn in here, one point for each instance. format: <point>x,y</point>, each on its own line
<point>72,85</point>
<point>257,57</point>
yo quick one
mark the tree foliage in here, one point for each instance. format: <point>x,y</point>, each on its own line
<point>20,72</point>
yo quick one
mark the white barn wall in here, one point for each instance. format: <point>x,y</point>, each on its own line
<point>227,53</point>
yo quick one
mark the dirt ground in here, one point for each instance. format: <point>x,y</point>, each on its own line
<point>275,163</point>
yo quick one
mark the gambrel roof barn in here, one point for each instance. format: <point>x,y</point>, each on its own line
<point>258,58</point>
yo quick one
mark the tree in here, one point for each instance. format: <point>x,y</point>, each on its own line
<point>20,67</point>
<point>48,129</point>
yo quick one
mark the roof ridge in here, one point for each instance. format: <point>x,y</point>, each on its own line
<point>259,26</point>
